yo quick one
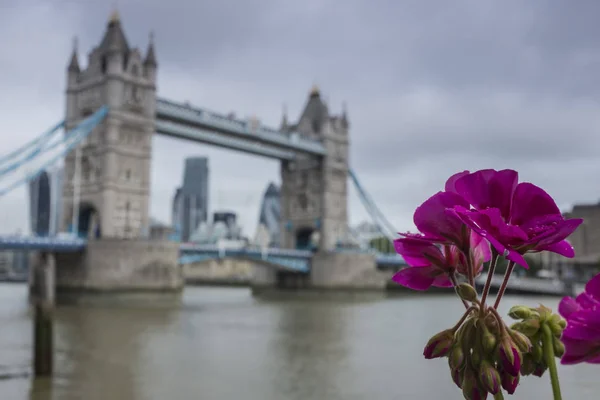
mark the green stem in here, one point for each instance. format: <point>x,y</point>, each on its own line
<point>509,270</point>
<point>455,283</point>
<point>488,283</point>
<point>548,348</point>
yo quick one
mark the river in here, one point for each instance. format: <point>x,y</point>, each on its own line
<point>221,343</point>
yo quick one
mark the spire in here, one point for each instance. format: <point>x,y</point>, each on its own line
<point>114,38</point>
<point>114,17</point>
<point>150,56</point>
<point>74,64</point>
<point>284,119</point>
<point>314,92</point>
<point>345,114</point>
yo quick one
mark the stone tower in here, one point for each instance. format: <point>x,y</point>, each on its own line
<point>115,159</point>
<point>314,190</point>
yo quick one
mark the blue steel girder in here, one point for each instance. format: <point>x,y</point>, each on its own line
<point>172,129</point>
<point>206,120</point>
<point>290,262</point>
<point>62,245</point>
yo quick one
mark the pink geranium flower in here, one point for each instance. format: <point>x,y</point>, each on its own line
<point>581,337</point>
<point>435,265</point>
<point>514,218</point>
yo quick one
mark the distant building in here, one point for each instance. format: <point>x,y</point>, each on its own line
<point>158,230</point>
<point>270,214</point>
<point>586,239</point>
<point>229,218</point>
<point>190,202</point>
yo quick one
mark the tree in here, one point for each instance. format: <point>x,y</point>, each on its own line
<point>382,245</point>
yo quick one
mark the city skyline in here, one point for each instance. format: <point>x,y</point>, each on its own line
<point>419,107</point>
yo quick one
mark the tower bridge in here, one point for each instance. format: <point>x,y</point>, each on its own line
<point>112,111</point>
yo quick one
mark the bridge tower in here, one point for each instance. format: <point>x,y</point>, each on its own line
<point>107,179</point>
<point>111,198</point>
<point>314,190</point>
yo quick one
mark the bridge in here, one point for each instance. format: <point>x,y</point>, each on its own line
<point>105,145</point>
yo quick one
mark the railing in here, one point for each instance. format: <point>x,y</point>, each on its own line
<point>244,129</point>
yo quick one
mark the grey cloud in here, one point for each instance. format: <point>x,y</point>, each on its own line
<point>431,88</point>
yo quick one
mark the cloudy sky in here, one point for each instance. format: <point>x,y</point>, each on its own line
<point>431,87</point>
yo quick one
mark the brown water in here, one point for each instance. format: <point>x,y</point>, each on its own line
<point>225,344</point>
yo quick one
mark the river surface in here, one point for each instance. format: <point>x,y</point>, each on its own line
<point>225,344</point>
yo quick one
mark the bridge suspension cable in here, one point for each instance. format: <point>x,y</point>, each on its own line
<point>29,168</point>
<point>380,221</point>
<point>30,150</point>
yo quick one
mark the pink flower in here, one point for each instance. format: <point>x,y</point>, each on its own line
<point>433,265</point>
<point>581,337</point>
<point>436,224</point>
<point>515,219</point>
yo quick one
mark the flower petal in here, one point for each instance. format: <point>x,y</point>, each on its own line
<point>564,248</point>
<point>568,306</point>
<point>431,217</point>
<point>480,247</point>
<point>417,278</point>
<point>530,201</point>
<point>558,232</point>
<point>489,224</point>
<point>418,253</point>
<point>451,182</point>
<point>593,287</point>
<point>586,300</point>
<point>489,188</point>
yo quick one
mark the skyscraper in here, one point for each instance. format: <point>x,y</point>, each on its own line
<point>270,213</point>
<point>40,204</point>
<point>45,202</point>
<point>190,203</point>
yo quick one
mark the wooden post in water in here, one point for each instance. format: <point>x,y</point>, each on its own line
<point>43,306</point>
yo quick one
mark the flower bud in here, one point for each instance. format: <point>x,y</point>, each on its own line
<point>466,292</point>
<point>527,365</point>
<point>476,357</point>
<point>539,370</point>
<point>456,358</point>
<point>489,377</point>
<point>544,312</point>
<point>559,348</point>
<point>510,356</point>
<point>529,327</point>
<point>439,345</point>
<point>470,386</point>
<point>466,334</point>
<point>520,312</point>
<point>499,396</point>
<point>458,376</point>
<point>522,341</point>
<point>537,352</point>
<point>555,323</point>
<point>509,382</point>
<point>488,340</point>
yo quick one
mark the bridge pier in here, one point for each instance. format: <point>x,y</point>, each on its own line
<point>42,295</point>
<point>116,265</point>
<point>345,270</point>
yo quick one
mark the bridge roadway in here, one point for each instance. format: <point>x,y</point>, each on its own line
<point>289,259</point>
<point>200,125</point>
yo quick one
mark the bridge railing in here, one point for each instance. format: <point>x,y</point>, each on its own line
<point>245,129</point>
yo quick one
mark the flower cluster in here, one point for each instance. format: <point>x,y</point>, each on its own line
<point>456,228</point>
<point>582,335</point>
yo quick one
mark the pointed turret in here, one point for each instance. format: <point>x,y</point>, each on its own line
<point>74,63</point>
<point>284,119</point>
<point>114,39</point>
<point>345,122</point>
<point>315,112</point>
<point>150,60</point>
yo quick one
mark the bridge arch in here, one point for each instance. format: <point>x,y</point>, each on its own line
<point>88,221</point>
<point>305,238</point>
